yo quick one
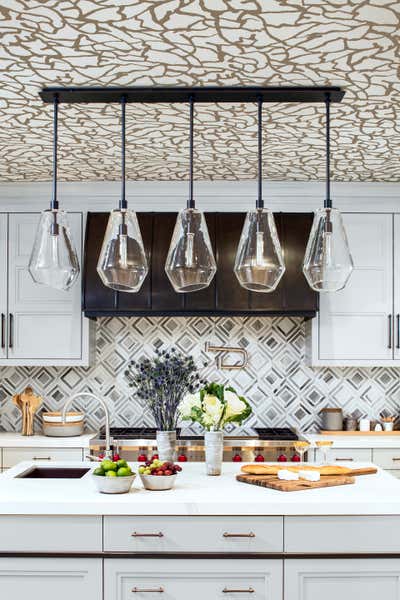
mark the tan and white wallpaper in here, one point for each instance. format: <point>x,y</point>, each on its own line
<point>351,43</point>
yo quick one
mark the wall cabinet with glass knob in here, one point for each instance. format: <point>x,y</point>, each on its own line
<point>360,325</point>
<point>38,325</point>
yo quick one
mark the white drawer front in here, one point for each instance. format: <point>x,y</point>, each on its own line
<point>387,458</point>
<point>24,533</point>
<point>342,534</point>
<point>12,456</point>
<point>347,455</point>
<point>126,579</point>
<point>193,534</point>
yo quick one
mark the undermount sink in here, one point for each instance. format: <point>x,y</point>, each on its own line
<point>54,473</point>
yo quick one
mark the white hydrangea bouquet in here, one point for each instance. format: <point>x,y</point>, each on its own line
<point>214,406</point>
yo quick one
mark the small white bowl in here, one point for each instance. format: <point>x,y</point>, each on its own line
<point>113,485</point>
<point>158,482</point>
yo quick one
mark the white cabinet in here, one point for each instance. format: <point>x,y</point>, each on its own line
<point>346,455</point>
<point>49,578</point>
<point>357,325</point>
<point>347,579</point>
<point>38,325</point>
<point>12,456</point>
<point>207,534</point>
<point>195,579</point>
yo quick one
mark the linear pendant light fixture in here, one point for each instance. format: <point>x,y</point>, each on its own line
<point>54,261</point>
<point>327,263</point>
<point>122,264</point>
<point>259,263</point>
<point>190,264</point>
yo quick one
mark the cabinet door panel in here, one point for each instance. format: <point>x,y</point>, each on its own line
<point>195,579</point>
<point>346,579</point>
<point>354,322</point>
<point>396,279</point>
<point>44,323</point>
<point>3,284</point>
<point>49,578</point>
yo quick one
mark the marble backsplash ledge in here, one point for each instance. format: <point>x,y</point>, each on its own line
<point>282,389</point>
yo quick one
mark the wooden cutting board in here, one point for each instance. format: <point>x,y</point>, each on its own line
<point>272,482</point>
<point>268,470</point>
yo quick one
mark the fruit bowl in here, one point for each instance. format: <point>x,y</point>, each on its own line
<point>154,482</point>
<point>113,485</point>
<point>113,477</point>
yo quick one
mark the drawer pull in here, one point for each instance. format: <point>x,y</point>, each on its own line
<point>396,459</point>
<point>349,459</point>
<point>239,535</point>
<point>41,457</point>
<point>248,591</point>
<point>136,590</point>
<point>146,535</point>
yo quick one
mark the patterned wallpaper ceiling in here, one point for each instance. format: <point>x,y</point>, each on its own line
<point>351,43</point>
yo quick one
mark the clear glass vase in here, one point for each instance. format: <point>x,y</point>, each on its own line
<point>214,447</point>
<point>259,263</point>
<point>122,264</point>
<point>190,264</point>
<point>54,261</point>
<point>166,445</point>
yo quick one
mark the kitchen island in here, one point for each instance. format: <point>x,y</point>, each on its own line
<point>210,537</point>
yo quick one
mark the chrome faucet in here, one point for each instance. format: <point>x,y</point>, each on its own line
<point>108,453</point>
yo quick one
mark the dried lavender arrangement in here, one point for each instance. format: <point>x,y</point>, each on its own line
<point>162,382</point>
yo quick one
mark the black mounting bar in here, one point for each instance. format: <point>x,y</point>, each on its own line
<point>172,95</point>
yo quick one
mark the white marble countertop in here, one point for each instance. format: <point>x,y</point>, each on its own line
<point>355,441</point>
<point>16,440</point>
<point>194,494</point>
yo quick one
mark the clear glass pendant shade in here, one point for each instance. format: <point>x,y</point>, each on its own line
<point>190,263</point>
<point>259,263</point>
<point>327,262</point>
<point>54,261</point>
<point>122,263</point>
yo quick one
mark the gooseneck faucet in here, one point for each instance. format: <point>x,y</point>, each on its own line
<point>108,453</point>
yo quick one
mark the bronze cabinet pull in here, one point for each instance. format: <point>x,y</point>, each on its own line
<point>10,333</point>
<point>41,457</point>
<point>136,590</point>
<point>396,459</point>
<point>3,342</point>
<point>147,535</point>
<point>239,535</point>
<point>398,331</point>
<point>349,459</point>
<point>248,591</point>
<point>389,331</point>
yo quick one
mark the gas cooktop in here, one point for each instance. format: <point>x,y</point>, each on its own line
<point>149,433</point>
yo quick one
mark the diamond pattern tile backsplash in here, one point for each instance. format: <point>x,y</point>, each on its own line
<point>282,389</point>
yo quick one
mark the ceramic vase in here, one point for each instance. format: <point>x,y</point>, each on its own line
<point>166,445</point>
<point>214,446</point>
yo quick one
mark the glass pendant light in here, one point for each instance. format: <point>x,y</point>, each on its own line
<point>54,261</point>
<point>327,263</point>
<point>259,263</point>
<point>122,263</point>
<point>190,264</point>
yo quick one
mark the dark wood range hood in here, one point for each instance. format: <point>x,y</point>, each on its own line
<point>224,296</point>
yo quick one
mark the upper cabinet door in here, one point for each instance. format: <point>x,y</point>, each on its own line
<point>44,324</point>
<point>396,280</point>
<point>3,286</point>
<point>356,324</point>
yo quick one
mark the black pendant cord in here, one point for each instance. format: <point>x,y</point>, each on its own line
<point>328,200</point>
<point>260,201</point>
<point>123,204</point>
<point>54,200</point>
<point>190,202</point>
